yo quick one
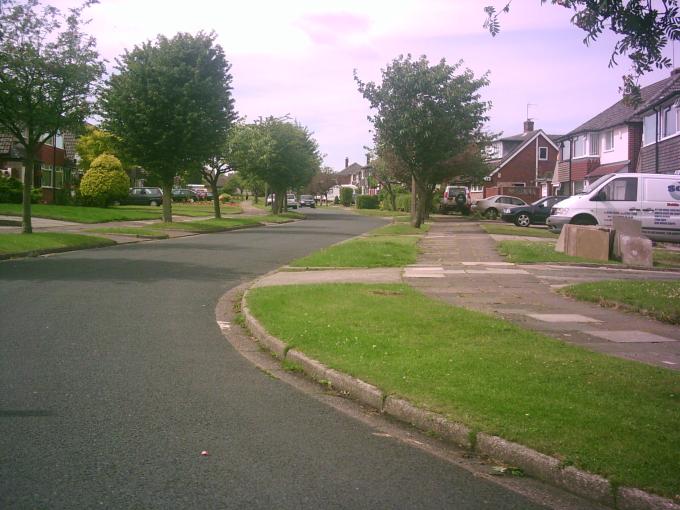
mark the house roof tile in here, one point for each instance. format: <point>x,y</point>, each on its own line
<point>620,113</point>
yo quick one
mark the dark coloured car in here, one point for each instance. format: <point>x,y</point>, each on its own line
<point>145,196</point>
<point>183,195</point>
<point>307,201</point>
<point>535,213</point>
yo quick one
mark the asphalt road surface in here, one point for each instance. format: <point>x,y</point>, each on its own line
<point>114,377</point>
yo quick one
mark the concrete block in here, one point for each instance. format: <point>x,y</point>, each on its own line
<point>633,250</point>
<point>627,226</point>
<point>593,487</point>
<point>358,389</point>
<point>311,367</point>
<point>635,499</point>
<point>561,244</point>
<point>590,242</point>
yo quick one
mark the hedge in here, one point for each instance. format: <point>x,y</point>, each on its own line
<point>346,195</point>
<point>368,202</point>
<point>105,182</point>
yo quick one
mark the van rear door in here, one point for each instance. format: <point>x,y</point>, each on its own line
<point>660,214</point>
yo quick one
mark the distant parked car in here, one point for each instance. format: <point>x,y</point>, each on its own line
<point>145,196</point>
<point>291,200</point>
<point>183,195</point>
<point>534,213</point>
<point>307,201</point>
<point>456,198</point>
<point>201,192</point>
<point>491,207</point>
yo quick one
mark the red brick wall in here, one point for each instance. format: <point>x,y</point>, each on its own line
<point>522,166</point>
<point>50,156</point>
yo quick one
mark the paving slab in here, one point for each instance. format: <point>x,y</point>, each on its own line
<point>561,317</point>
<point>631,337</point>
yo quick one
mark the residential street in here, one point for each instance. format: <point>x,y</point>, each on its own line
<point>115,377</point>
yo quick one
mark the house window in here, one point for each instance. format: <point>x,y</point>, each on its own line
<point>46,175</point>
<point>669,121</point>
<point>594,144</point>
<point>566,150</point>
<point>649,129</point>
<point>579,146</point>
<point>59,177</point>
<point>609,140</point>
<point>543,153</point>
<point>476,189</point>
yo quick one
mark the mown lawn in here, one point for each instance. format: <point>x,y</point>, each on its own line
<point>512,230</point>
<point>130,231</point>
<point>658,299</point>
<point>376,251</point>
<point>183,209</point>
<point>527,252</point>
<point>603,414</point>
<point>47,242</point>
<point>80,214</point>
<point>206,226</point>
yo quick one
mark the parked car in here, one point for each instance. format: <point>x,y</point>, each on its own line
<point>456,198</point>
<point>200,191</point>
<point>651,199</point>
<point>183,195</point>
<point>307,201</point>
<point>145,196</point>
<point>291,200</point>
<point>537,212</point>
<point>491,207</point>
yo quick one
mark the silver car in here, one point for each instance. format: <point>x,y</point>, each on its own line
<point>492,207</point>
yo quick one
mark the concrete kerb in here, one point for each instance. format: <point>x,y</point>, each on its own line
<point>535,464</point>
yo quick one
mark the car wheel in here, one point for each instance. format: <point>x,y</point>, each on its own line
<point>491,213</point>
<point>584,220</point>
<point>153,202</point>
<point>460,199</point>
<point>522,220</point>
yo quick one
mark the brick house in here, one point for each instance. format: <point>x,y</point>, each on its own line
<point>355,176</point>
<point>523,165</point>
<point>55,166</point>
<point>613,142</point>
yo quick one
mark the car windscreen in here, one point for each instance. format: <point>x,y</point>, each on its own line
<point>306,197</point>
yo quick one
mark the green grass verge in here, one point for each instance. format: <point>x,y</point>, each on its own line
<point>195,210</point>
<point>527,252</point>
<point>130,231</point>
<point>378,251</point>
<point>80,214</point>
<point>400,230</point>
<point>207,226</point>
<point>378,212</point>
<point>47,242</point>
<point>512,230</point>
<point>657,299</point>
<point>666,258</point>
<point>606,415</point>
<point>281,218</point>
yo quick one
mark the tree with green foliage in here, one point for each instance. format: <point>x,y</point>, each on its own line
<point>644,28</point>
<point>281,153</point>
<point>105,182</point>
<point>170,104</point>
<point>95,142</point>
<point>48,72</point>
<point>427,117</point>
<point>322,182</point>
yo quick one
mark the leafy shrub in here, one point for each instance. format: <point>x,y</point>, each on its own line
<point>346,195</point>
<point>105,182</point>
<point>404,202</point>
<point>10,190</point>
<point>368,202</point>
<point>336,200</point>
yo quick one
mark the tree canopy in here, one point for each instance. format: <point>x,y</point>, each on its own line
<point>427,118</point>
<point>281,153</point>
<point>49,70</point>
<point>644,27</point>
<point>170,104</point>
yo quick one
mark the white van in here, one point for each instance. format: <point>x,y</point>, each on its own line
<point>652,199</point>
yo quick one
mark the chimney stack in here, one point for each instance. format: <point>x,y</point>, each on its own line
<point>528,125</point>
<point>346,162</point>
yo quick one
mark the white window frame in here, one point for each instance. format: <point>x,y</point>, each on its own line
<point>674,112</point>
<point>608,140</point>
<point>575,155</point>
<point>543,150</point>
<point>592,147</point>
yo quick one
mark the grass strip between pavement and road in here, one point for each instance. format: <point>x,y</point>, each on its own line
<point>512,230</point>
<point>142,232</point>
<point>528,252</point>
<point>603,414</point>
<point>197,210</point>
<point>47,242</point>
<point>222,224</point>
<point>658,299</point>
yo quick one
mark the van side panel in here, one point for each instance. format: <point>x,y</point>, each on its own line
<point>661,207</point>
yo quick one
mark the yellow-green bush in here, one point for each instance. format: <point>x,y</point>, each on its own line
<point>105,182</point>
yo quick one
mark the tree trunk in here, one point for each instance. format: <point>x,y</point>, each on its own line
<point>414,200</point>
<point>26,225</point>
<point>216,199</point>
<point>167,201</point>
<point>279,202</point>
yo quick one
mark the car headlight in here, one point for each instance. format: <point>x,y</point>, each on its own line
<point>506,211</point>
<point>559,211</point>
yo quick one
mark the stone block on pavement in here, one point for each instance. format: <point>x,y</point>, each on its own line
<point>633,250</point>
<point>588,242</point>
<point>627,226</point>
